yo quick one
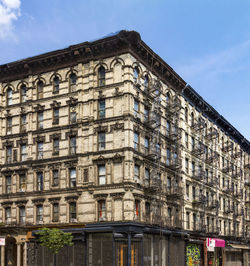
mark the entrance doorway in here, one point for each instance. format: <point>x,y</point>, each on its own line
<point>10,251</point>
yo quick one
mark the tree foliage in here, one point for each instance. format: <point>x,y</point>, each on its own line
<point>54,239</point>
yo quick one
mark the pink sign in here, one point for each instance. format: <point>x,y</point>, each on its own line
<point>215,242</point>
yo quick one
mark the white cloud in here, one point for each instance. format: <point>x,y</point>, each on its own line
<point>9,11</point>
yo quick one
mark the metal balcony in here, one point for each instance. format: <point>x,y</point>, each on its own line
<point>198,149</point>
<point>198,175</point>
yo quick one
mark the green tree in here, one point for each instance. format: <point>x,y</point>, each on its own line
<point>54,239</point>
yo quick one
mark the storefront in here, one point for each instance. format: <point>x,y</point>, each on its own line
<point>214,253</point>
<point>237,254</point>
<point>194,253</point>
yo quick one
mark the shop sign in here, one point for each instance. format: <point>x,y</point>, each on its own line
<point>2,241</point>
<point>211,242</point>
<point>215,242</point>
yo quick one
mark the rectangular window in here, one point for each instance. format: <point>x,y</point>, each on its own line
<point>72,144</point>
<point>146,114</point>
<point>102,174</point>
<point>169,213</point>
<point>188,220</point>
<point>136,172</point>
<point>72,211</point>
<point>8,215</point>
<point>147,176</point>
<point>23,152</point>
<point>136,141</point>
<point>137,210</point>
<point>193,192</point>
<point>40,150</point>
<point>55,213</point>
<point>187,165</point>
<point>8,184</point>
<point>22,215</point>
<point>9,125</point>
<point>147,210</point>
<point>187,191</point>
<point>56,116</point>
<point>39,214</point>
<point>136,108</point>
<point>23,94</point>
<point>39,90</point>
<point>193,168</point>
<point>23,123</point>
<point>39,181</point>
<point>101,141</point>
<point>9,154</point>
<point>193,143</point>
<point>186,140</point>
<point>194,221</point>
<point>55,177</point>
<point>22,183</point>
<point>102,210</point>
<point>56,146</point>
<point>101,109</point>
<point>146,145</point>
<point>168,158</point>
<point>72,177</point>
<point>168,128</point>
<point>72,115</point>
<point>40,120</point>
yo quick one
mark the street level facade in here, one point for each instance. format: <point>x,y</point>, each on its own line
<point>105,140</point>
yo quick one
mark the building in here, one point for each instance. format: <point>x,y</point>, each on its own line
<point>106,141</point>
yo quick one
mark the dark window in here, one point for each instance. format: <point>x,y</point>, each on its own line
<point>55,213</point>
<point>72,81</point>
<point>168,158</point>
<point>136,172</point>
<point>147,209</point>
<point>101,140</point>
<point>72,211</point>
<point>137,211</point>
<point>147,176</point>
<point>56,116</point>
<point>72,145</point>
<point>56,83</point>
<point>55,180</point>
<point>136,108</point>
<point>24,153</point>
<point>40,86</point>
<point>101,76</point>
<point>56,146</point>
<point>39,181</point>
<point>101,108</point>
<point>136,73</point>
<point>146,81</point>
<point>186,114</point>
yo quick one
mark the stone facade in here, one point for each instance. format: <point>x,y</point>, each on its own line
<point>78,145</point>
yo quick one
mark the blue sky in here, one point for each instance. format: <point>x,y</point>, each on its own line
<point>207,42</point>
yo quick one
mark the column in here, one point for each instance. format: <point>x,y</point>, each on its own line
<point>18,254</point>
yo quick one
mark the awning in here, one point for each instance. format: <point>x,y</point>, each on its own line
<point>239,246</point>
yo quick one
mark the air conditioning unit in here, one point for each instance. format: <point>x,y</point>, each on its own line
<point>73,220</point>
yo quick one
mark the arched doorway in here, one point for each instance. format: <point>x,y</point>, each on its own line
<point>10,251</point>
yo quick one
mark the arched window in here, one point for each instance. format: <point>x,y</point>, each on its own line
<point>192,119</point>
<point>40,86</point>
<point>186,114</point>
<point>136,73</point>
<point>9,96</point>
<point>101,76</point>
<point>23,93</point>
<point>56,82</point>
<point>146,80</point>
<point>168,98</point>
<point>72,81</point>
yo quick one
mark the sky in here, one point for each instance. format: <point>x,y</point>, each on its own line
<point>206,42</point>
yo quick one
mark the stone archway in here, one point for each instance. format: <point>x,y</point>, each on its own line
<point>10,251</point>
